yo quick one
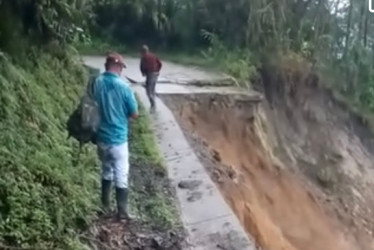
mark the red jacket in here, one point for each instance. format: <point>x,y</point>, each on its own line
<point>150,64</point>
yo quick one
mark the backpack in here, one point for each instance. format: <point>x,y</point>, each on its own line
<point>84,122</point>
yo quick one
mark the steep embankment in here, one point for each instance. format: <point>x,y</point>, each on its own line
<point>297,169</point>
<point>323,139</point>
<point>45,195</point>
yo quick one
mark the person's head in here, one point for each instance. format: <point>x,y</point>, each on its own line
<point>114,63</point>
<point>144,50</point>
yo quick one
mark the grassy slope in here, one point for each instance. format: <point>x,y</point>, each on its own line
<point>44,198</point>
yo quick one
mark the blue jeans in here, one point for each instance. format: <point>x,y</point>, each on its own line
<point>114,163</point>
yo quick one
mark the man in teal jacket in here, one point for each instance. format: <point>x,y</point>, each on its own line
<point>117,104</point>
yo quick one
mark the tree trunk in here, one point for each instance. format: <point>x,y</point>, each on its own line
<point>365,35</point>
<point>360,22</point>
<point>372,50</point>
<point>317,22</point>
<point>348,31</point>
<point>335,25</point>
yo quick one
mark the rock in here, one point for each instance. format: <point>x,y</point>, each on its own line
<point>217,176</point>
<point>191,185</point>
<point>216,155</point>
<point>172,234</point>
<point>357,194</point>
<point>141,236</point>
<point>194,196</point>
<point>326,178</point>
<point>346,208</point>
<point>231,172</point>
<point>157,242</point>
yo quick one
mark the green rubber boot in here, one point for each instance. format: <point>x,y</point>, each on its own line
<point>105,195</point>
<point>122,197</point>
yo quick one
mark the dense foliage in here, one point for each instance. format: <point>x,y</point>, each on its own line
<point>271,23</point>
<point>26,22</point>
<point>334,35</point>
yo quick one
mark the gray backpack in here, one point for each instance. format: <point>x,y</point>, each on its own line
<point>84,122</point>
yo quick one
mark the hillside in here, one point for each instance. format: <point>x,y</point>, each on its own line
<point>47,194</point>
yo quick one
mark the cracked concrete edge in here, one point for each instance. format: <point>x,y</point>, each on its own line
<point>209,221</point>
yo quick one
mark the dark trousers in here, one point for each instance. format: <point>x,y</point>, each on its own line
<point>150,86</point>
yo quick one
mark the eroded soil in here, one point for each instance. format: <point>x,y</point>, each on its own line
<point>280,202</point>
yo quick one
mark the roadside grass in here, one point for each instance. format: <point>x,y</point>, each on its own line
<point>363,113</point>
<point>237,64</point>
<point>143,146</point>
<point>151,197</point>
<point>99,47</point>
<point>194,58</point>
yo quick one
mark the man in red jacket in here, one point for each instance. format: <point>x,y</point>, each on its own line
<point>150,67</point>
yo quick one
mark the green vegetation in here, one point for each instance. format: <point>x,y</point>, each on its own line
<point>29,23</point>
<point>49,192</point>
<point>143,145</point>
<point>98,47</point>
<point>46,195</point>
<point>335,36</point>
<point>238,63</point>
<point>150,198</point>
<point>45,199</point>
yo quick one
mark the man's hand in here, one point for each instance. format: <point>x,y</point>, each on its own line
<point>134,115</point>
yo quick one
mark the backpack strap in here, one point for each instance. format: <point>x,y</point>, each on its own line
<point>91,86</point>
